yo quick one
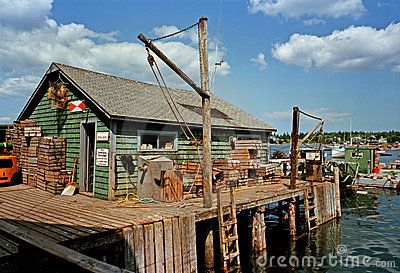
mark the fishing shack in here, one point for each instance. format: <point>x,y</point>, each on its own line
<point>111,123</point>
<point>362,157</point>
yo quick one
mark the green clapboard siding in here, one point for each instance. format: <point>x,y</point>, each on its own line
<point>66,124</point>
<point>127,144</point>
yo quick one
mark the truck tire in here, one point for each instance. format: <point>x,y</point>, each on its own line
<point>16,179</point>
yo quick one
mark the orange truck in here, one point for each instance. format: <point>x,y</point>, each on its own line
<point>9,172</point>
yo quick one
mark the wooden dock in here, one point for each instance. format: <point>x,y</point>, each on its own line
<point>153,237</point>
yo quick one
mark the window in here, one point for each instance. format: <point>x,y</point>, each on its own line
<point>248,137</point>
<point>6,164</point>
<point>156,140</point>
<point>357,154</point>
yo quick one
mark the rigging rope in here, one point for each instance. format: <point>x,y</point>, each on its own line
<point>310,116</point>
<point>173,106</point>
<point>174,33</point>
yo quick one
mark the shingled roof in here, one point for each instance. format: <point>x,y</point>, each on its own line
<point>121,98</point>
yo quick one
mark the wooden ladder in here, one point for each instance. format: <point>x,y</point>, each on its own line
<point>228,234</point>
<point>310,208</point>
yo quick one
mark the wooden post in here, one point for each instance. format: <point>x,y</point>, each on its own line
<point>258,232</point>
<point>292,217</point>
<point>337,191</point>
<point>209,260</point>
<point>294,150</point>
<point>207,162</point>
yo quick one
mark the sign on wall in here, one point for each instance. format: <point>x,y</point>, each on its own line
<point>102,136</point>
<point>102,157</point>
<point>76,106</point>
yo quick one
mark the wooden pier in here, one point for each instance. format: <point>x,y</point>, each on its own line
<point>151,237</point>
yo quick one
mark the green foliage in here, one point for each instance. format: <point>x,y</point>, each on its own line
<point>340,137</point>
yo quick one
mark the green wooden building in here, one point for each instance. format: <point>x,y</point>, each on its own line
<point>364,156</point>
<point>126,117</point>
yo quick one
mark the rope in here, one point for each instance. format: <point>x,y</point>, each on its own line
<point>173,106</point>
<point>216,51</point>
<point>310,116</point>
<point>174,33</point>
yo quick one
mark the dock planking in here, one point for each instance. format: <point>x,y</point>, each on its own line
<point>157,237</point>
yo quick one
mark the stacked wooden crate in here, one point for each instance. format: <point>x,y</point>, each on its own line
<point>246,153</point>
<point>21,135</point>
<point>268,173</point>
<point>51,175</point>
<point>192,174</point>
<point>29,173</point>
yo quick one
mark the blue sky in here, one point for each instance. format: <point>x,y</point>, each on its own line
<point>334,59</point>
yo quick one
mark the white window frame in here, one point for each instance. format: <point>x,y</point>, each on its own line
<point>252,136</point>
<point>158,133</point>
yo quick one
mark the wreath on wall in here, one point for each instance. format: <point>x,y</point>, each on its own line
<point>57,93</point>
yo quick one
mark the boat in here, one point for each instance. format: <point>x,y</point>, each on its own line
<point>338,152</point>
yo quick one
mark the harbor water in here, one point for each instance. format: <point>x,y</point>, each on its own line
<point>365,239</point>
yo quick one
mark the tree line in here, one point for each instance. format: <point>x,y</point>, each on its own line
<point>342,137</point>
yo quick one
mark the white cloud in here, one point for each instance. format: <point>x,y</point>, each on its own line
<point>18,86</point>
<point>326,113</point>
<point>353,48</point>
<point>27,53</point>
<point>296,8</point>
<point>4,119</point>
<point>190,34</point>
<point>314,21</point>
<point>259,60</point>
<point>396,68</point>
<point>24,14</point>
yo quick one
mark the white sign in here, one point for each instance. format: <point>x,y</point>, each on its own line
<point>102,136</point>
<point>102,157</point>
<point>313,156</point>
<point>77,106</point>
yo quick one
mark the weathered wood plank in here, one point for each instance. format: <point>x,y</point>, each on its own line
<point>138,240</point>
<point>192,242</point>
<point>177,245</point>
<point>57,250</point>
<point>129,249</point>
<point>184,226</point>
<point>159,246</point>
<point>149,248</point>
<point>168,246</point>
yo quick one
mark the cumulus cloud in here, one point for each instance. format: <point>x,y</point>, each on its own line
<point>314,21</point>
<point>24,14</point>
<point>5,119</point>
<point>18,86</point>
<point>259,61</point>
<point>297,8</point>
<point>28,52</point>
<point>353,48</point>
<point>326,113</point>
<point>396,68</point>
<point>190,34</point>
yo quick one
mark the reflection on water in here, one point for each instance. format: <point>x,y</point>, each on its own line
<point>366,239</point>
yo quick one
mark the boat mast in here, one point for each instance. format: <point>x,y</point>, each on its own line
<point>351,139</point>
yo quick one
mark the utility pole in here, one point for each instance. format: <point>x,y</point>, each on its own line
<point>204,92</point>
<point>207,162</point>
<point>294,149</point>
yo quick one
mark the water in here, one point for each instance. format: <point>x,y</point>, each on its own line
<point>395,154</point>
<point>365,239</point>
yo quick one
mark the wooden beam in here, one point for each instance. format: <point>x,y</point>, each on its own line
<point>207,161</point>
<point>59,251</point>
<point>294,150</point>
<point>171,65</point>
<point>336,176</point>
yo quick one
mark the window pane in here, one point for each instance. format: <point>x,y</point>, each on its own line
<point>149,142</point>
<point>167,142</point>
<point>6,163</point>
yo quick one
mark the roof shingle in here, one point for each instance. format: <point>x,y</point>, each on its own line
<point>124,98</point>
